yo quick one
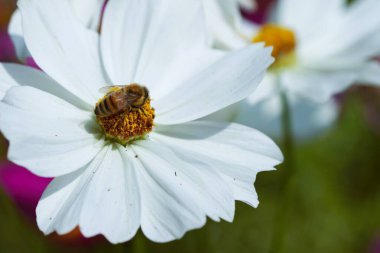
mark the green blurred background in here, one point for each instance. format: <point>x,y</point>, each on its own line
<point>333,204</point>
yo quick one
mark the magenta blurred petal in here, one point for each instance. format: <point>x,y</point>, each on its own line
<point>23,187</point>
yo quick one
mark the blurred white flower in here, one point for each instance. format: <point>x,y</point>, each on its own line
<point>170,177</point>
<point>322,47</point>
<point>87,11</point>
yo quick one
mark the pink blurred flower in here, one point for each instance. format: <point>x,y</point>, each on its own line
<point>23,187</point>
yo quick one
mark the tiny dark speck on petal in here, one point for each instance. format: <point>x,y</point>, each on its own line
<point>136,156</point>
<point>108,189</point>
<point>175,173</point>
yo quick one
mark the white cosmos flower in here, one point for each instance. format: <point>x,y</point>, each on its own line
<point>333,49</point>
<point>182,171</point>
<point>87,11</point>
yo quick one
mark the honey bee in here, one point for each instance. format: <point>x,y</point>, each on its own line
<point>121,98</point>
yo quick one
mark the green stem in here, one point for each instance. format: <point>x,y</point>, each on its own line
<point>285,188</point>
<point>288,138</point>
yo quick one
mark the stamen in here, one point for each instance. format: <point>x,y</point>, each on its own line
<point>129,124</point>
<point>280,38</point>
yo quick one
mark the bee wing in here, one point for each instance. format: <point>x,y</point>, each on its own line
<point>109,88</point>
<point>131,97</point>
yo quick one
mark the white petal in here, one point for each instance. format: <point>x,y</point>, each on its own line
<point>60,206</point>
<point>224,23</point>
<point>318,85</point>
<point>138,46</point>
<point>360,30</point>
<point>47,135</point>
<point>88,12</point>
<point>361,48</point>
<point>226,114</point>
<point>17,35</point>
<point>112,203</point>
<point>123,36</point>
<point>301,16</point>
<point>227,81</point>
<point>185,65</point>
<point>266,89</point>
<point>63,47</point>
<point>248,4</point>
<point>216,139</point>
<point>370,73</point>
<point>205,185</point>
<point>309,119</point>
<point>15,74</point>
<point>235,151</point>
<point>220,183</point>
<point>101,198</point>
<point>248,30</point>
<point>168,205</point>
<point>352,35</point>
<point>6,81</point>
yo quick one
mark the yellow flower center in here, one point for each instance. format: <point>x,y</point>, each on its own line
<point>282,40</point>
<point>126,121</point>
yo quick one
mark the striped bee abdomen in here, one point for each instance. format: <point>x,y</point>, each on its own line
<point>106,107</point>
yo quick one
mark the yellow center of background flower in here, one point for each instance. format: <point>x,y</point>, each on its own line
<point>280,38</point>
<point>128,125</point>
